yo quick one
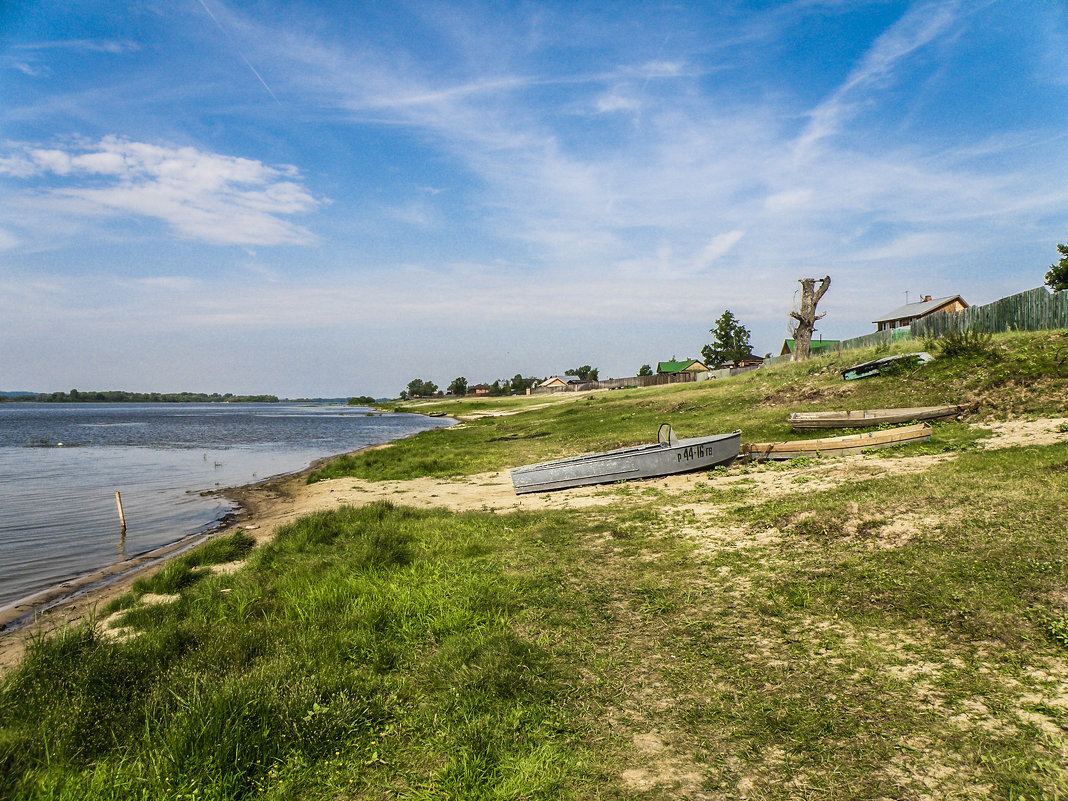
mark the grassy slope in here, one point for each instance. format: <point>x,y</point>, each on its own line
<point>721,643</point>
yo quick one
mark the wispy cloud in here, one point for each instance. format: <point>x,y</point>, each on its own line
<point>687,166</point>
<point>33,70</point>
<point>213,198</point>
<point>717,247</point>
<point>920,26</point>
<point>111,46</point>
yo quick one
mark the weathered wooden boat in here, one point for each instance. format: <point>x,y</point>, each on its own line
<point>862,418</point>
<point>838,446</point>
<point>885,364</point>
<point>669,455</point>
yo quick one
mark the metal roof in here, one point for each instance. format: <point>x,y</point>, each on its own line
<point>917,309</point>
<point>677,366</point>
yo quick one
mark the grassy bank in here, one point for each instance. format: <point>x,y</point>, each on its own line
<point>1017,374</point>
<point>369,651</point>
<point>890,628</point>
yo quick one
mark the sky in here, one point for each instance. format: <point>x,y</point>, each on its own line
<point>331,199</point>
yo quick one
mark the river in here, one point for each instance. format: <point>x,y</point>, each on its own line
<point>61,465</point>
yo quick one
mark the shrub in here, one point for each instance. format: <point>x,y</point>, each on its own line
<point>972,342</point>
<point>1058,629</point>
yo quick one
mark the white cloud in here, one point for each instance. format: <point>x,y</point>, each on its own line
<point>920,26</point>
<point>910,248</point>
<point>170,283</point>
<point>115,47</point>
<point>416,213</point>
<point>18,166</point>
<point>616,100</point>
<point>658,69</point>
<point>101,163</point>
<point>55,161</point>
<point>788,200</point>
<point>33,70</point>
<point>205,196</point>
<point>718,247</point>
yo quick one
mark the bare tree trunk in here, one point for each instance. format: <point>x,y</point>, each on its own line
<point>806,317</point>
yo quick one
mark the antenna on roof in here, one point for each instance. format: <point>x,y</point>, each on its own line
<point>906,297</point>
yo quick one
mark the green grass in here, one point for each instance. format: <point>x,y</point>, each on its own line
<point>187,569</point>
<point>364,651</point>
<point>768,633</point>
<point>1023,373</point>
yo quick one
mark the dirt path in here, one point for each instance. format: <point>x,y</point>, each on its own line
<point>272,503</point>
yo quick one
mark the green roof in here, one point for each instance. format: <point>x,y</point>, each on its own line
<point>815,345</point>
<point>673,367</point>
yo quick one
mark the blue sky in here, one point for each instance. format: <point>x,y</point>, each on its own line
<point>334,198</point>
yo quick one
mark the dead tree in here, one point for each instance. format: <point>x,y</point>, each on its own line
<point>806,316</point>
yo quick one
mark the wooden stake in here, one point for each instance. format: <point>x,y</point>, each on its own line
<point>122,517</point>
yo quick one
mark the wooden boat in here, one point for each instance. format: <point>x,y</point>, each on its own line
<point>838,446</point>
<point>877,366</point>
<point>669,455</point>
<point>861,418</point>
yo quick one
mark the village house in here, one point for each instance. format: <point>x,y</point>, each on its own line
<point>903,316</point>
<point>749,360</point>
<point>686,366</point>
<point>479,389</point>
<point>556,382</point>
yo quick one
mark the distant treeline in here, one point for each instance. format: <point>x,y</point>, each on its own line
<point>118,396</point>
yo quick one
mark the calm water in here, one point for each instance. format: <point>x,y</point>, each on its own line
<point>61,464</point>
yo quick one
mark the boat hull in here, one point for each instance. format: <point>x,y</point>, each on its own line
<point>806,421</point>
<point>838,446</point>
<point>878,366</point>
<point>627,464</point>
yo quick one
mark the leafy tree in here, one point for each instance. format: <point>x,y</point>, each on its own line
<point>361,400</point>
<point>645,369</point>
<point>418,388</point>
<point>584,373</point>
<point>1057,277</point>
<point>458,387</point>
<point>731,341</point>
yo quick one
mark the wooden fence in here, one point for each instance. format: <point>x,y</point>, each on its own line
<point>1033,310</point>
<point>659,379</point>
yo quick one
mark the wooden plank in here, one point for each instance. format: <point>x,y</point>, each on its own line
<point>834,446</point>
<point>805,421</point>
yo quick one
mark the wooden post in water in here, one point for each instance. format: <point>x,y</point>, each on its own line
<point>122,517</point>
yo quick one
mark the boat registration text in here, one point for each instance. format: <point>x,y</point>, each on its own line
<point>693,452</point>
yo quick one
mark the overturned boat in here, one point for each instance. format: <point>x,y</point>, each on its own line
<point>669,455</point>
<point>887,364</point>
<point>838,446</point>
<point>863,418</point>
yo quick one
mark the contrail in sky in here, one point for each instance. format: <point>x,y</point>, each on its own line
<point>238,49</point>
